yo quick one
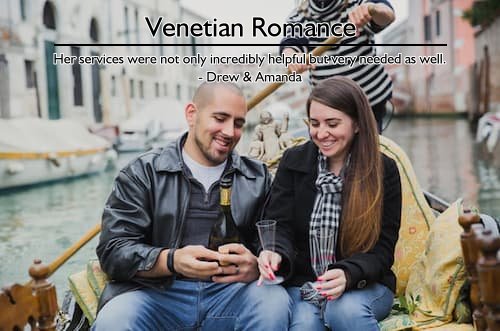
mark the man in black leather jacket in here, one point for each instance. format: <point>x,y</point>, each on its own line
<point>156,224</point>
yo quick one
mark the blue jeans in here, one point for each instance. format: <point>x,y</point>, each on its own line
<point>355,310</point>
<point>196,305</point>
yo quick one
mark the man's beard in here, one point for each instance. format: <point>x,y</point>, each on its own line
<point>205,150</point>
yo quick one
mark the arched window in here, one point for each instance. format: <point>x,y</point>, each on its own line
<point>94,30</point>
<point>49,17</point>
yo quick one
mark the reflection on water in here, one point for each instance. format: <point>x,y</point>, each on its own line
<point>41,222</point>
<point>447,161</point>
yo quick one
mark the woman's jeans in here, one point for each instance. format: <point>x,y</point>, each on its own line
<point>355,310</point>
<point>196,305</point>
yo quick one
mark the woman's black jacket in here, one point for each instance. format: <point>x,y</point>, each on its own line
<point>291,203</point>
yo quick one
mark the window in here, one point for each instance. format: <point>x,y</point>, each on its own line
<point>132,88</point>
<point>77,78</point>
<point>193,46</point>
<point>438,23</point>
<point>427,28</point>
<point>160,41</point>
<point>94,30</point>
<point>126,32</point>
<point>22,7</point>
<point>113,85</point>
<point>30,73</point>
<point>49,19</point>
<point>157,89</point>
<point>141,89</point>
<point>136,31</point>
<point>179,91</point>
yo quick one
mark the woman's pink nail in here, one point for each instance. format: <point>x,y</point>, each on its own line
<point>320,279</point>
<point>319,288</point>
<point>330,298</point>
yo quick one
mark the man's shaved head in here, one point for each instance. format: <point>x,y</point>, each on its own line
<point>216,118</point>
<point>205,92</point>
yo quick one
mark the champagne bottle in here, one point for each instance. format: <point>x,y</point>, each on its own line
<point>224,230</point>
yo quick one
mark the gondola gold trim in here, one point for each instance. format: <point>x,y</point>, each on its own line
<point>48,155</point>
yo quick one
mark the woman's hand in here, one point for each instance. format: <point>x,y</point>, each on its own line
<point>332,284</point>
<point>269,262</point>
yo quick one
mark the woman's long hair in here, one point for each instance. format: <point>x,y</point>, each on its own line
<point>363,190</point>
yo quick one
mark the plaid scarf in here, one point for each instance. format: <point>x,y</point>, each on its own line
<point>325,217</point>
<point>325,220</point>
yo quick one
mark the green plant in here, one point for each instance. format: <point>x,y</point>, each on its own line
<point>409,306</point>
<point>482,12</point>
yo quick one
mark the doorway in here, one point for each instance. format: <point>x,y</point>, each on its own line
<point>52,83</point>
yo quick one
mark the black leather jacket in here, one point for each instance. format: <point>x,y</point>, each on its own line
<point>146,209</point>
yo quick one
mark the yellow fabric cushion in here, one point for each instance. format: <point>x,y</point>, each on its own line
<point>97,278</point>
<point>404,323</point>
<point>87,286</point>
<point>397,322</point>
<point>84,294</point>
<point>438,275</point>
<point>416,216</point>
<point>452,327</point>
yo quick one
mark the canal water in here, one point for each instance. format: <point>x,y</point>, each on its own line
<point>43,221</point>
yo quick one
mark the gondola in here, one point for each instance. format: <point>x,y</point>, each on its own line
<point>35,302</point>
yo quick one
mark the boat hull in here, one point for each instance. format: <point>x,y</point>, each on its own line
<point>18,172</point>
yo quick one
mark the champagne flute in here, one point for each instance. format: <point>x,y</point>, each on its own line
<point>267,236</point>
<point>322,250</point>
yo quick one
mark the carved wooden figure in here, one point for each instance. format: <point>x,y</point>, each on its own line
<point>33,304</point>
<point>488,269</point>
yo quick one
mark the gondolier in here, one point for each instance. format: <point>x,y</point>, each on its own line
<point>370,17</point>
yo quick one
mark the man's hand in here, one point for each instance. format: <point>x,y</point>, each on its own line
<point>238,264</point>
<point>297,67</point>
<point>197,262</point>
<point>332,283</point>
<point>269,262</point>
<point>361,15</point>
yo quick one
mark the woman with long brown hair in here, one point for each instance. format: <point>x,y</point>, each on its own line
<point>337,203</point>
